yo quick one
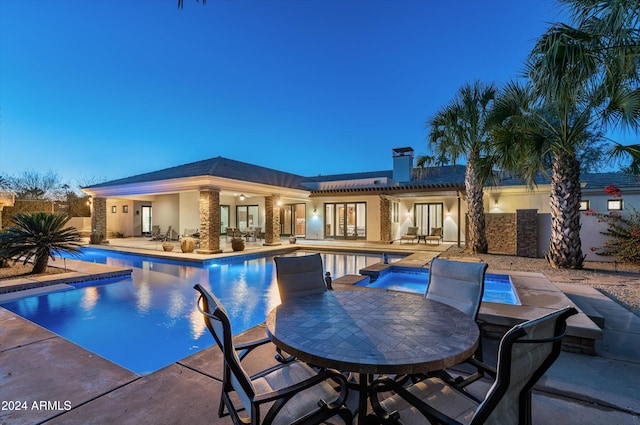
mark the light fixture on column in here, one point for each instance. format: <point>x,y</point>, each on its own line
<point>242,197</point>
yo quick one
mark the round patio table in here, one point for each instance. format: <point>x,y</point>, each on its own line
<point>373,332</point>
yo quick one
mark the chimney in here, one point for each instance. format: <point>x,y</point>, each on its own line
<point>402,164</point>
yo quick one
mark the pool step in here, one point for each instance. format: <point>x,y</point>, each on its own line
<point>352,279</point>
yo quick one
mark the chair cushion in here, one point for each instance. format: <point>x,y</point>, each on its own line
<point>438,395</point>
<point>303,402</point>
<point>436,231</point>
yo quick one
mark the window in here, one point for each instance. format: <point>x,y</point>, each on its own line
<point>395,212</point>
<point>114,209</point>
<point>584,205</point>
<point>125,209</point>
<point>614,204</point>
<point>247,216</point>
<point>224,219</point>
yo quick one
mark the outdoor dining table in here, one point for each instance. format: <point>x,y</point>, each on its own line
<point>372,332</point>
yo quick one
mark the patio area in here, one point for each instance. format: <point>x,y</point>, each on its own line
<point>71,385</point>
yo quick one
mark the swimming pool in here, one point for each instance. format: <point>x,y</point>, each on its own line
<point>497,287</point>
<point>150,320</point>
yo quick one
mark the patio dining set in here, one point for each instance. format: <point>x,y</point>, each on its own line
<point>250,234</point>
<point>381,357</point>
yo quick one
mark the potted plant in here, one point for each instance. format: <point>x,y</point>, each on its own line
<point>167,246</point>
<point>237,244</point>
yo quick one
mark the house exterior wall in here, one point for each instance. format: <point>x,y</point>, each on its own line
<point>166,212</point>
<point>189,213</point>
<point>592,229</point>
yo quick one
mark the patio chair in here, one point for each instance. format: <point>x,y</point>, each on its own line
<point>526,352</point>
<point>299,276</point>
<point>412,235</point>
<point>459,284</point>
<point>291,393</point>
<point>155,233</point>
<point>230,233</point>
<point>167,236</point>
<point>254,234</point>
<point>434,235</point>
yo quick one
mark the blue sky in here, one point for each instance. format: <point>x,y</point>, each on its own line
<point>109,89</point>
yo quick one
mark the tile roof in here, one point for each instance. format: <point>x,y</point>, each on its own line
<point>218,167</point>
<point>429,178</point>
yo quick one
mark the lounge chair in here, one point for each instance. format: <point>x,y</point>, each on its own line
<point>412,235</point>
<point>459,284</point>
<point>526,352</point>
<point>299,276</point>
<point>167,236</point>
<point>155,233</point>
<point>286,394</point>
<point>434,235</point>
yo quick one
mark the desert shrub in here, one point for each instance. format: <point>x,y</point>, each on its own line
<point>624,233</point>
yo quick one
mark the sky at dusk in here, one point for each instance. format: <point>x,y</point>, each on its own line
<point>113,88</point>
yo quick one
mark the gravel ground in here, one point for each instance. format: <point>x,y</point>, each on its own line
<point>18,270</point>
<point>619,281</point>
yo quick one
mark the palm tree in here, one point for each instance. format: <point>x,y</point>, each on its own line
<point>38,236</point>
<point>459,131</point>
<point>582,80</point>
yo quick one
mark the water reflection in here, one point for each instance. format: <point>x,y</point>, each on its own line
<point>150,320</point>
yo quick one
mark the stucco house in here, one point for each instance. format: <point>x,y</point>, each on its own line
<point>375,206</point>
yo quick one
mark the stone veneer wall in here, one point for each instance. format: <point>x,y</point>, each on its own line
<point>272,221</point>
<point>514,234</point>
<point>209,206</point>
<point>99,216</point>
<point>501,232</point>
<point>385,220</point>
<point>527,233</point>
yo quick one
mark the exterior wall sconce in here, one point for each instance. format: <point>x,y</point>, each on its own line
<point>315,212</point>
<point>242,197</point>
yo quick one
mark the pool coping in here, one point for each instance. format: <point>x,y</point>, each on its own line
<point>537,294</point>
<point>77,271</point>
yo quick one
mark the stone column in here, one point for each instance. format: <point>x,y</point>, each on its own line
<point>272,221</point>
<point>527,233</point>
<point>209,221</point>
<point>385,220</point>
<point>99,217</point>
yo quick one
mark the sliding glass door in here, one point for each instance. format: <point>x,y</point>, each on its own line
<point>147,219</point>
<point>346,220</point>
<point>428,216</point>
<point>293,220</point>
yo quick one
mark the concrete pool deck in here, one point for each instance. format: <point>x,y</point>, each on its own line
<point>39,366</point>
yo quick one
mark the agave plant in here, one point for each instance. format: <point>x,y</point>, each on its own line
<point>36,237</point>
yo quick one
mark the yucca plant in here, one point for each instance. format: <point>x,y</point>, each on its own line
<point>36,237</point>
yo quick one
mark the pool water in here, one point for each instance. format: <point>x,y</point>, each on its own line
<point>150,320</point>
<point>497,288</point>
